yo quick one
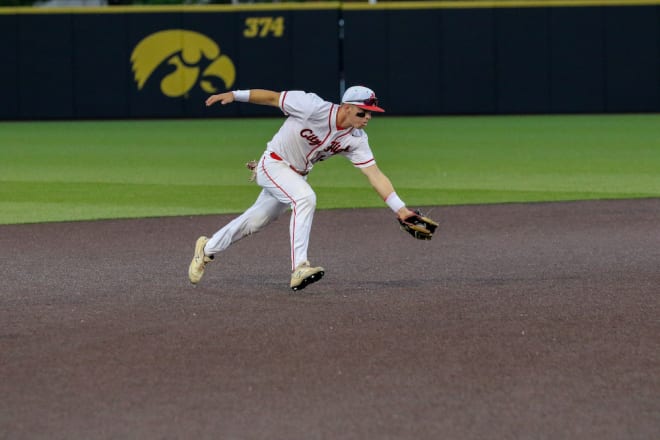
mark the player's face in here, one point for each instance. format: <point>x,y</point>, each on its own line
<point>360,117</point>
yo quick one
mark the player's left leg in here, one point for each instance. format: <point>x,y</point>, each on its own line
<point>264,210</point>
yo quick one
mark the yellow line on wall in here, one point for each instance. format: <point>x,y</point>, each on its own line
<point>138,9</point>
<point>325,5</point>
<point>477,4</point>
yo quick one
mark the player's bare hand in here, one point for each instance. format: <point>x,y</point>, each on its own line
<point>404,213</point>
<point>222,98</point>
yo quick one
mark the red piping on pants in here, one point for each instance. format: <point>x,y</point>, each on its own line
<point>293,208</point>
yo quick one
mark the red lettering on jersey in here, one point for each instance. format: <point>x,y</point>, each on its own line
<point>312,139</point>
<point>335,147</point>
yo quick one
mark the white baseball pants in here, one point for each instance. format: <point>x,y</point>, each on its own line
<point>283,188</point>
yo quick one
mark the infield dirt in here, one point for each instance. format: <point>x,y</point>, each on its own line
<point>534,321</point>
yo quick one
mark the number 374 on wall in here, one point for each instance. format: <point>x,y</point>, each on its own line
<point>261,27</point>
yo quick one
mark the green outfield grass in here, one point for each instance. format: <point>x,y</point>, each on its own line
<point>51,171</point>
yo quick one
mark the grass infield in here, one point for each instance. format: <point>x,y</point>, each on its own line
<point>56,171</point>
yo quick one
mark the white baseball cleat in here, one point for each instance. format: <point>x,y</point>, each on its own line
<point>199,261</point>
<point>305,275</point>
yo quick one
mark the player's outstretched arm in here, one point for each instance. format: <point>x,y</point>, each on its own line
<point>385,190</point>
<point>253,96</point>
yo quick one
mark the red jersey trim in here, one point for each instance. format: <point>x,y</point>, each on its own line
<point>364,163</point>
<point>324,139</point>
<point>282,103</point>
<point>330,119</point>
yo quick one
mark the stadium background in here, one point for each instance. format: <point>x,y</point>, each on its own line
<point>519,320</point>
<point>431,58</point>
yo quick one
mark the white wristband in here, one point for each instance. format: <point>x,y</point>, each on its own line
<point>241,95</point>
<point>394,202</point>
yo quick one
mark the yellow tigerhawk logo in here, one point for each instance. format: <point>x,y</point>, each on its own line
<point>189,52</point>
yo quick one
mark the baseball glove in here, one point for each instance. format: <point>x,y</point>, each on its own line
<point>419,226</point>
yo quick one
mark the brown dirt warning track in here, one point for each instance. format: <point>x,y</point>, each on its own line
<point>518,321</point>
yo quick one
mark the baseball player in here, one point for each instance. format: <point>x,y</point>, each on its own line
<point>314,130</point>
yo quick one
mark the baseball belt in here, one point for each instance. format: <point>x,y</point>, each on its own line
<point>277,157</point>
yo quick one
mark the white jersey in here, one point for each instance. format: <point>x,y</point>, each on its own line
<point>310,134</point>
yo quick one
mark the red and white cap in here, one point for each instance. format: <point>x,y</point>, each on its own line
<point>363,97</point>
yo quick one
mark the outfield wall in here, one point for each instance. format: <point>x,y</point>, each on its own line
<point>420,57</point>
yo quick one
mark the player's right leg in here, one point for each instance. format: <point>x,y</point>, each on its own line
<point>264,210</point>
<point>199,261</point>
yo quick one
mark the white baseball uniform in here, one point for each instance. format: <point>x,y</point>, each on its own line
<point>309,134</point>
